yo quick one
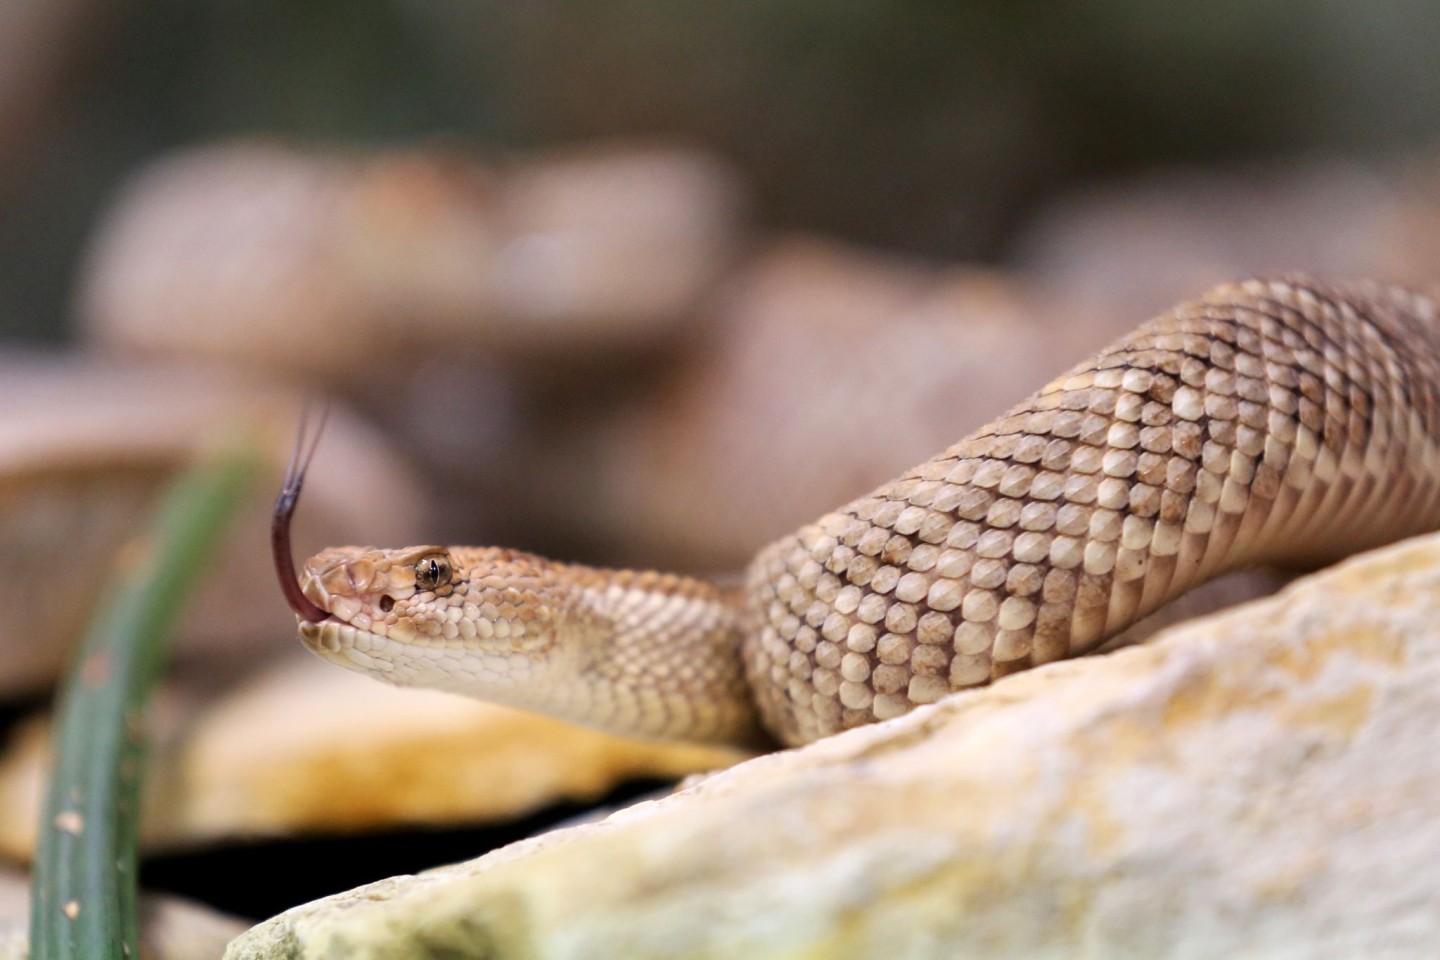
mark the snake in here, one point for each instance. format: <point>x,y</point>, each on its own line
<point>1283,422</point>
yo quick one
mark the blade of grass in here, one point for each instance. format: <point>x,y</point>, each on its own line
<point>84,889</point>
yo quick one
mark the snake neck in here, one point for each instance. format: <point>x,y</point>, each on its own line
<point>636,654</point>
<point>657,655</point>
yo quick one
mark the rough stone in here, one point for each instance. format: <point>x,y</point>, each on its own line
<point>1262,782</point>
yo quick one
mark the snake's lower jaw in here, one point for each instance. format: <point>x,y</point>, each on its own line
<point>312,639</point>
<point>343,645</point>
<point>326,642</point>
<point>394,659</point>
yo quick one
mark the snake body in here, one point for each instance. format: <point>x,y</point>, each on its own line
<point>1284,422</point>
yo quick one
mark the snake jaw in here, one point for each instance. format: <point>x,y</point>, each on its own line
<point>313,638</point>
<point>349,646</point>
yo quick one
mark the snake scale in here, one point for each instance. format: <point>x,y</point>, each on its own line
<point>1284,422</point>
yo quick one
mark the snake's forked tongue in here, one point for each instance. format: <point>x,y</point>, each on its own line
<point>285,510</point>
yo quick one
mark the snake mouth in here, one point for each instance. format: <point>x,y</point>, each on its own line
<point>311,637</point>
<point>344,645</point>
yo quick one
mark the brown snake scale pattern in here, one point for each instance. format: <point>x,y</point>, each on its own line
<point>1282,422</point>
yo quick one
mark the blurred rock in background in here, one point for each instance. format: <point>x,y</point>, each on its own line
<point>464,303</point>
<point>303,749</point>
<point>336,265</point>
<point>828,370</point>
<point>85,450</point>
<point>1408,249</point>
<point>1138,246</point>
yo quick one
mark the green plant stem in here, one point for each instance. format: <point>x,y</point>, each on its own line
<point>84,891</point>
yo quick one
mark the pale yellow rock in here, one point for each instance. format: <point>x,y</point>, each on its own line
<point>306,748</point>
<point>1260,783</point>
<point>171,928</point>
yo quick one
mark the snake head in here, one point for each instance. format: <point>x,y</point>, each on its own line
<point>362,586</point>
<point>428,615</point>
<point>477,620</point>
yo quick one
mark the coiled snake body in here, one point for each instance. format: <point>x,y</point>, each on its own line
<point>1269,422</point>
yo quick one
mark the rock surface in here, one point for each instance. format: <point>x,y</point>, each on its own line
<point>1259,783</point>
<point>305,748</point>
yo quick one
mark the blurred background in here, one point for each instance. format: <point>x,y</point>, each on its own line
<point>629,282</point>
<point>645,251</point>
<point>933,128</point>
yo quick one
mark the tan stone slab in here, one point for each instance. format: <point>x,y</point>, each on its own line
<point>306,748</point>
<point>1263,782</point>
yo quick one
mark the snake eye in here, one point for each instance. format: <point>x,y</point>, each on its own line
<point>431,572</point>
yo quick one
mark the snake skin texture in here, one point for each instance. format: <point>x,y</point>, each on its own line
<point>1278,422</point>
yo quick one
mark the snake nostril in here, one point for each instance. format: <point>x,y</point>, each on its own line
<point>387,603</point>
